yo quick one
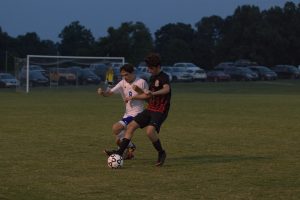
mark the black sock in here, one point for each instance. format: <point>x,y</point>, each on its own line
<point>123,146</point>
<point>157,146</point>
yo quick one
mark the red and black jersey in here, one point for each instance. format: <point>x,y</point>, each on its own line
<point>159,103</point>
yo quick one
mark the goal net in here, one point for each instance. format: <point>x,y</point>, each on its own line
<point>64,71</point>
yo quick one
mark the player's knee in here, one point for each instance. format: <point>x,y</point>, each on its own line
<point>116,129</point>
<point>132,126</point>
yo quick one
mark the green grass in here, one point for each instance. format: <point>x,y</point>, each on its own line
<point>224,141</point>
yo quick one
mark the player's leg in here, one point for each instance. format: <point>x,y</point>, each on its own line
<point>152,131</point>
<point>117,130</point>
<point>132,126</point>
<point>128,154</point>
<point>140,121</point>
<point>153,136</point>
<point>126,140</point>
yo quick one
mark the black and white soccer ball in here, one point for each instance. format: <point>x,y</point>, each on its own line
<point>115,161</point>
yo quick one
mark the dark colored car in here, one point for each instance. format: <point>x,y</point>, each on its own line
<point>36,78</point>
<point>87,76</point>
<point>264,73</point>
<point>286,71</point>
<point>99,69</point>
<point>217,76</point>
<point>241,74</point>
<point>84,75</point>
<point>117,75</point>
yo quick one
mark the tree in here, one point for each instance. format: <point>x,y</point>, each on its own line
<point>76,40</point>
<point>208,36</point>
<point>241,34</point>
<point>131,40</point>
<point>174,43</point>
<point>5,48</point>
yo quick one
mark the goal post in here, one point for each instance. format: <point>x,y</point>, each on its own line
<point>57,71</point>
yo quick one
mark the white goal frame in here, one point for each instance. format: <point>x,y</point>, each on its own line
<point>63,57</point>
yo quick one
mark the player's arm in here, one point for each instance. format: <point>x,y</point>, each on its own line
<point>164,90</point>
<point>107,93</point>
<point>138,89</point>
<point>142,93</point>
<point>148,93</point>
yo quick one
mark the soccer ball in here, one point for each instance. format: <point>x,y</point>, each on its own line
<point>115,161</point>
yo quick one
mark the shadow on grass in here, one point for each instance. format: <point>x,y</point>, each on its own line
<point>206,159</point>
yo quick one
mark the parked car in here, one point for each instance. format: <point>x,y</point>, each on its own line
<point>100,69</point>
<point>117,65</point>
<point>241,73</point>
<point>181,74</point>
<point>165,70</point>
<point>244,63</point>
<point>62,76</point>
<point>217,76</point>
<point>36,68</point>
<point>87,76</point>
<point>117,75</point>
<point>186,65</point>
<point>142,72</point>
<point>264,73</point>
<point>223,65</point>
<point>197,74</point>
<point>286,71</point>
<point>36,78</point>
<point>8,80</point>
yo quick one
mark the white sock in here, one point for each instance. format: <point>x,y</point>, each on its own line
<point>121,135</point>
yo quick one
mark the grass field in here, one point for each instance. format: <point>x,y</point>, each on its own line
<point>223,140</point>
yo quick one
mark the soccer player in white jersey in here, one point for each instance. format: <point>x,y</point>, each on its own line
<point>126,88</point>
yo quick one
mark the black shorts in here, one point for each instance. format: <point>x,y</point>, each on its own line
<point>147,117</point>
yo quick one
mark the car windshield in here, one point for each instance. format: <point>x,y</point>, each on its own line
<point>36,67</point>
<point>246,70</point>
<point>179,69</point>
<point>190,65</point>
<point>6,76</point>
<point>36,74</point>
<point>264,69</point>
<point>292,69</point>
<point>87,72</point>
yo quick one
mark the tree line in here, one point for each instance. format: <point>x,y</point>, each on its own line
<point>267,37</point>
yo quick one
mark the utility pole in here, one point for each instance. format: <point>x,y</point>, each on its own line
<point>6,61</point>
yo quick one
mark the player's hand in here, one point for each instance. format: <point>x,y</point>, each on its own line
<point>148,92</point>
<point>127,99</point>
<point>100,91</point>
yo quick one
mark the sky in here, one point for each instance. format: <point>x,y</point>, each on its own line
<point>48,17</point>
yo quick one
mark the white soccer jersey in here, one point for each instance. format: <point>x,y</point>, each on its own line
<point>125,89</point>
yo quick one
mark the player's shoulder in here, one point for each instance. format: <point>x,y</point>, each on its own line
<point>140,80</point>
<point>163,75</point>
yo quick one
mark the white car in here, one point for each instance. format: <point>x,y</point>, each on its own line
<point>186,65</point>
<point>197,74</point>
<point>144,70</point>
<point>180,74</point>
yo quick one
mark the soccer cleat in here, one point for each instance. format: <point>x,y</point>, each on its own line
<point>110,152</point>
<point>129,152</point>
<point>129,155</point>
<point>132,148</point>
<point>161,159</point>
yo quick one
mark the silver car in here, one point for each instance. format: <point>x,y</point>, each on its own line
<point>180,74</point>
<point>8,80</point>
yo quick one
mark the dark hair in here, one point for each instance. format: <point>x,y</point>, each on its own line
<point>127,68</point>
<point>153,60</point>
